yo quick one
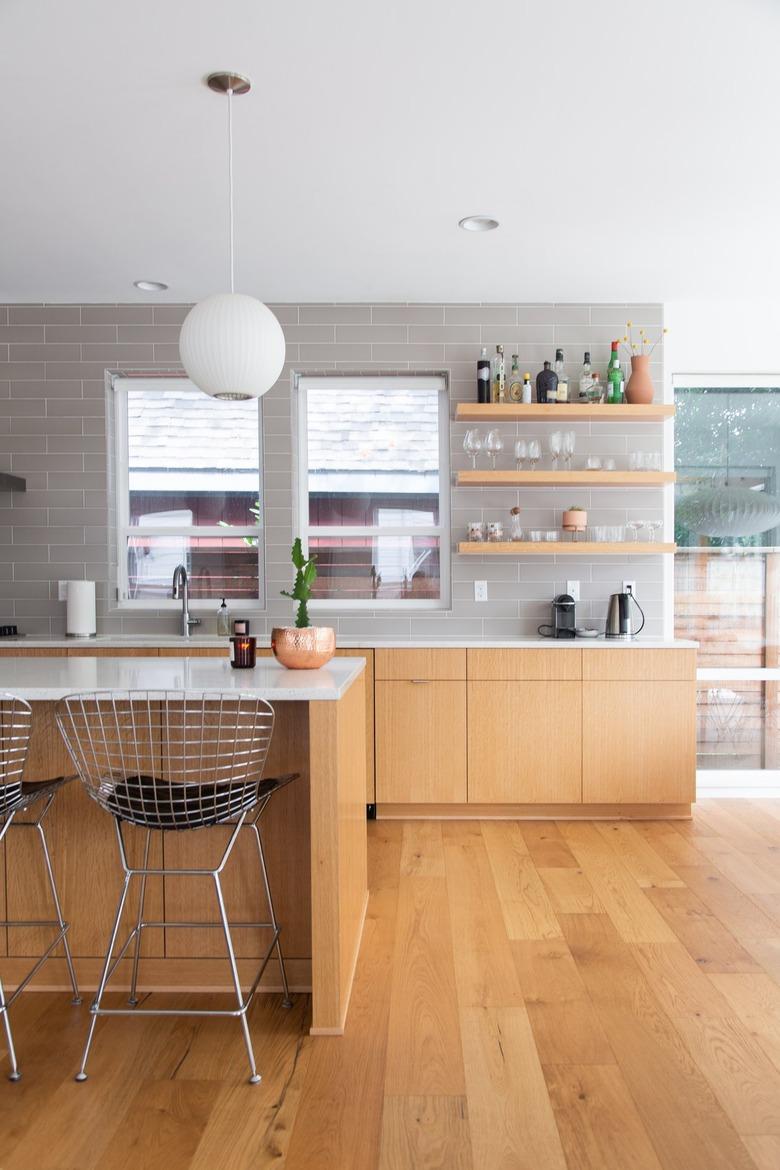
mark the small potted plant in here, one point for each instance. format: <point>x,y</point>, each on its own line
<point>303,646</point>
<point>575,520</point>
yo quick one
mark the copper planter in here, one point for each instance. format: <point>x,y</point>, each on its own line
<point>303,649</point>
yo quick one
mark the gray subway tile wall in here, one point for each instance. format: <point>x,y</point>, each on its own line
<point>53,431</point>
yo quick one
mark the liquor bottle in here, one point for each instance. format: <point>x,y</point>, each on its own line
<point>596,390</point>
<point>483,376</point>
<point>546,384</point>
<point>586,379</point>
<point>223,620</point>
<point>614,377</point>
<point>515,385</point>
<point>528,394</point>
<point>562,391</point>
<point>558,367</point>
<point>499,375</point>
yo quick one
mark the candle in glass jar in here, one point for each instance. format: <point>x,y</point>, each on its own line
<point>243,652</point>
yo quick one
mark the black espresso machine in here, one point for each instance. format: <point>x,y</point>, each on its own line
<point>562,625</point>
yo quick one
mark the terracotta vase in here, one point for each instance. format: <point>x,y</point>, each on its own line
<point>640,385</point>
<point>303,649</point>
<point>574,520</point>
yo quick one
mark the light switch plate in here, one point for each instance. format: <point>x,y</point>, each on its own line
<point>480,591</point>
<point>629,585</point>
<point>573,589</point>
<point>62,590</point>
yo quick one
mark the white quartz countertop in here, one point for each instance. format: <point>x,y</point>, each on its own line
<point>52,678</point>
<point>152,642</point>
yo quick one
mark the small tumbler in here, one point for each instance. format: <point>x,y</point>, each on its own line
<point>243,652</point>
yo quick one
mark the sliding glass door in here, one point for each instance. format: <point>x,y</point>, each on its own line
<point>727,572</point>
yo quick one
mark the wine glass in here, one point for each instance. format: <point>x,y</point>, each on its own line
<point>494,445</point>
<point>555,443</point>
<point>534,452</point>
<point>472,445</point>
<point>633,526</point>
<point>521,453</point>
<point>652,526</point>
<point>569,440</point>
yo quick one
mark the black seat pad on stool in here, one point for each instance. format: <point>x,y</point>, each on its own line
<point>14,797</point>
<point>156,804</point>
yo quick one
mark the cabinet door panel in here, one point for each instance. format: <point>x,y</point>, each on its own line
<point>661,665</point>
<point>525,742</point>
<point>420,742</point>
<point>498,665</point>
<point>420,662</point>
<point>639,742</point>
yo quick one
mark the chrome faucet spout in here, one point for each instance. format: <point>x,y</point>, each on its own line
<point>180,590</point>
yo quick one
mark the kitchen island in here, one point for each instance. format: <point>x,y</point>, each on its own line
<point>314,833</point>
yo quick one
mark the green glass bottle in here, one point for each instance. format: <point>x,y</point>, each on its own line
<point>614,377</point>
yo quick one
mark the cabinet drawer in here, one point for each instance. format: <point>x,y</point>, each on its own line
<point>421,742</point>
<point>510,665</point>
<point>525,742</point>
<point>420,663</point>
<point>622,664</point>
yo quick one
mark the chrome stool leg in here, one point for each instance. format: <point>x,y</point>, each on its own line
<point>286,1001</point>
<point>81,1075</point>
<point>57,907</point>
<point>133,999</point>
<point>14,1074</point>
<point>254,1076</point>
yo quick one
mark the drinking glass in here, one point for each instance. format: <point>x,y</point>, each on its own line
<point>534,452</point>
<point>633,526</point>
<point>472,445</point>
<point>569,440</point>
<point>521,453</point>
<point>653,461</point>
<point>636,461</point>
<point>494,445</point>
<point>555,443</point>
<point>594,463</point>
<point>652,526</point>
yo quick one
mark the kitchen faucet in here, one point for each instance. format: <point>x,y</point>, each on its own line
<point>180,589</point>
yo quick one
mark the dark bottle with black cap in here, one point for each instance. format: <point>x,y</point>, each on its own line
<point>546,384</point>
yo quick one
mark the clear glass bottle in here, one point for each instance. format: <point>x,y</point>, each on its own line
<point>483,376</point>
<point>586,378</point>
<point>515,385</point>
<point>528,392</point>
<point>223,620</point>
<point>562,389</point>
<point>499,375</point>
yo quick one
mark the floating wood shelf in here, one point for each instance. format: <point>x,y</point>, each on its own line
<point>564,478</point>
<point>550,548</point>
<point>573,411</point>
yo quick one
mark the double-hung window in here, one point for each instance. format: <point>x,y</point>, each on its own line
<point>187,491</point>
<point>373,489</point>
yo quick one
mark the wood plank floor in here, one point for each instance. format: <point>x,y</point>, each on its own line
<point>546,996</point>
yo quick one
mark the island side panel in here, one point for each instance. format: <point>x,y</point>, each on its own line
<point>338,852</point>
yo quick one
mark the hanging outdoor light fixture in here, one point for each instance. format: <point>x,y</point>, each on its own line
<point>231,345</point>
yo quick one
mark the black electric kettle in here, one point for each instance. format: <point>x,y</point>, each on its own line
<point>619,616</point>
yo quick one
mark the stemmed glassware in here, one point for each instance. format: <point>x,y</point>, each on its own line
<point>494,445</point>
<point>652,526</point>
<point>472,445</point>
<point>555,442</point>
<point>534,452</point>
<point>521,453</point>
<point>634,526</point>
<point>568,444</point>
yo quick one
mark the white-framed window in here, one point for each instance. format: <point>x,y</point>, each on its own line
<point>373,498</point>
<point>187,486</point>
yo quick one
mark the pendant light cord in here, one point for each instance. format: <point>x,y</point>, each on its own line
<point>230,190</point>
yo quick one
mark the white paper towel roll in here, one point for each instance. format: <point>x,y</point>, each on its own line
<point>81,619</point>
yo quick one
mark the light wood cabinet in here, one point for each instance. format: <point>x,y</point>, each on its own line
<point>422,662</point>
<point>628,665</point>
<point>524,742</point>
<point>639,742</point>
<point>420,742</point>
<point>496,665</point>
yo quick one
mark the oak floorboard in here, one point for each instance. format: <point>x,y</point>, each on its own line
<point>766,952</point>
<point>743,917</point>
<point>682,1115</point>
<point>485,972</point>
<point>702,934</point>
<point>164,1124</point>
<point>565,1025</point>
<point>765,1151</point>
<point>527,910</point>
<point>422,852</point>
<point>646,866</point>
<point>425,1133</point>
<point>597,1119</point>
<point>510,1115</point>
<point>755,1000</point>
<point>546,845</point>
<point>677,981</point>
<point>669,843</point>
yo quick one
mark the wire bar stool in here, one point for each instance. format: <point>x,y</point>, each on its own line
<point>17,796</point>
<point>167,761</point>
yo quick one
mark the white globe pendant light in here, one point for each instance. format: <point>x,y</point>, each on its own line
<point>231,345</point>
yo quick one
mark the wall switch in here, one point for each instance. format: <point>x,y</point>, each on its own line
<point>629,585</point>
<point>480,591</point>
<point>62,590</point>
<point>573,589</point>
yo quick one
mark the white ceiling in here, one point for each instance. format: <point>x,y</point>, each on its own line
<point>628,147</point>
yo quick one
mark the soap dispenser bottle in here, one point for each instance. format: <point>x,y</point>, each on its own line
<point>223,620</point>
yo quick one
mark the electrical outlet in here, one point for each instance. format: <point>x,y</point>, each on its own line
<point>62,590</point>
<point>573,589</point>
<point>629,586</point>
<point>480,591</point>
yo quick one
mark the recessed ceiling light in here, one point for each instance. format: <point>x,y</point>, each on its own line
<point>150,285</point>
<point>478,223</point>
